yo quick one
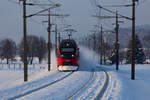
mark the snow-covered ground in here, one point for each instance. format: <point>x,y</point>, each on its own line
<point>121,87</point>
<point>11,76</point>
<point>54,85</point>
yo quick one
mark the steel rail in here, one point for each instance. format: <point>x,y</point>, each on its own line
<point>83,87</point>
<point>38,88</point>
<point>105,85</point>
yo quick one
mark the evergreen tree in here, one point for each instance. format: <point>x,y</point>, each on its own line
<point>139,54</point>
<point>112,57</point>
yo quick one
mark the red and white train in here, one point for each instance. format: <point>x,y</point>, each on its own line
<point>67,54</point>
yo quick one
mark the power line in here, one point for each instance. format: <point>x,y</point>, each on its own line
<point>51,1</point>
<point>42,7</point>
<point>37,22</point>
<point>127,5</point>
<point>114,12</point>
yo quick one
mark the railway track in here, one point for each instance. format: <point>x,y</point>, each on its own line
<point>84,86</point>
<point>24,93</point>
<point>102,91</point>
<point>76,93</point>
<point>104,87</point>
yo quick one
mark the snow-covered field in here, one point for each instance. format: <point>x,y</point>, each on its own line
<point>122,87</point>
<point>54,85</point>
<point>11,76</point>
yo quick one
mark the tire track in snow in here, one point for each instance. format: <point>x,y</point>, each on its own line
<point>36,89</point>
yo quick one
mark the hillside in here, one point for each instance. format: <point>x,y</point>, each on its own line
<point>125,34</point>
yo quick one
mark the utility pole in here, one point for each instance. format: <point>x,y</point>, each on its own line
<point>25,36</point>
<point>49,34</point>
<point>133,33</point>
<point>101,44</point>
<point>117,43</point>
<point>86,40</point>
<point>49,43</point>
<point>89,43</point>
<point>94,45</point>
<point>25,32</point>
<point>133,41</point>
<point>55,36</point>
<point>59,37</point>
<point>94,42</point>
<point>25,41</point>
<point>104,50</point>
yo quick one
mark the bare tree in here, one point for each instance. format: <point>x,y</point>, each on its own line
<point>8,49</point>
<point>32,43</point>
<point>41,49</point>
<point>36,47</point>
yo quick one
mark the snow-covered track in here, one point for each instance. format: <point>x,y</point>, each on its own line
<point>104,87</point>
<point>24,93</point>
<point>84,86</point>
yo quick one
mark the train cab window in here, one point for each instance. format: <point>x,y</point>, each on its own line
<point>67,49</point>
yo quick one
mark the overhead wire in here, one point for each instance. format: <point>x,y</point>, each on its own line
<point>40,6</point>
<point>51,1</point>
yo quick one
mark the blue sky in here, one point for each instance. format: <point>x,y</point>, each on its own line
<point>80,17</point>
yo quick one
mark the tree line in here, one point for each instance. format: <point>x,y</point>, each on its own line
<point>109,49</point>
<point>36,47</point>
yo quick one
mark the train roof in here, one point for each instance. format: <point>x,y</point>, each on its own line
<point>68,43</point>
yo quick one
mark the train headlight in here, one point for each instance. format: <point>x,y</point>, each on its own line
<point>62,55</point>
<point>72,55</point>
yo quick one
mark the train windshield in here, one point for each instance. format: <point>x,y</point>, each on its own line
<point>67,52</point>
<point>67,48</point>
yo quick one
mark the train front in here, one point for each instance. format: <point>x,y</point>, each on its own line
<point>67,55</point>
